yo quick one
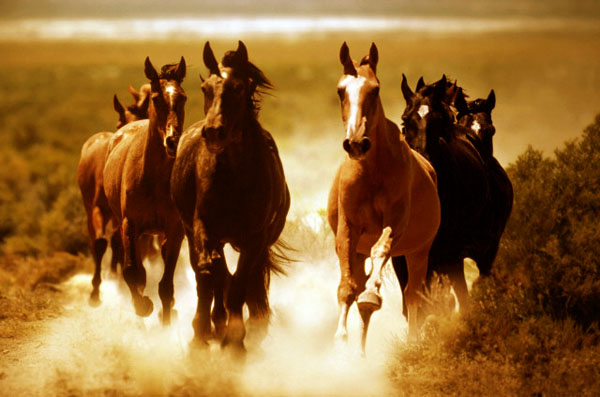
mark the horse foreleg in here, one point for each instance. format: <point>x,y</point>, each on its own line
<point>201,260</point>
<point>170,254</point>
<point>417,272</point>
<point>134,272</point>
<point>346,240</point>
<point>370,300</point>
<point>221,280</point>
<point>459,283</point>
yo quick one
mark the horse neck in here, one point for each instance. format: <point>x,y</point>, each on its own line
<point>154,150</point>
<point>440,128</point>
<point>240,153</point>
<point>386,143</point>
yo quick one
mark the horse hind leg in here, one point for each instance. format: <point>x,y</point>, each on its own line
<point>401,270</point>
<point>170,254</point>
<point>257,299</point>
<point>134,272</point>
<point>98,245</point>
<point>417,272</point>
<point>116,244</point>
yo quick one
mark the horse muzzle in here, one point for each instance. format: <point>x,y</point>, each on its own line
<point>357,148</point>
<point>171,142</point>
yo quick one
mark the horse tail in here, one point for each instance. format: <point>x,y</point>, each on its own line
<point>257,293</point>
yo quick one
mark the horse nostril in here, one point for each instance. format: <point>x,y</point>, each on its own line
<point>365,144</point>
<point>346,145</point>
<point>171,142</point>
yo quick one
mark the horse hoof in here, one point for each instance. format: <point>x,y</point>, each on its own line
<point>369,300</point>
<point>94,300</point>
<point>143,306</point>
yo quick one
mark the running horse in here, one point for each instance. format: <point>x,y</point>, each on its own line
<point>136,183</point>
<point>383,201</point>
<point>229,186</point>
<point>476,116</point>
<point>101,226</point>
<point>463,186</point>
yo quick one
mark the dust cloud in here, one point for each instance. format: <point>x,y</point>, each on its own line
<point>110,350</point>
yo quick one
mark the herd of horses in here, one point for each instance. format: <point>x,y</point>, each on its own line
<point>427,195</point>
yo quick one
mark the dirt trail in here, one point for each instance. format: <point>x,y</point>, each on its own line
<point>109,350</point>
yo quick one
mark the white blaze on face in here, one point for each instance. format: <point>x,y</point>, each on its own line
<point>170,89</point>
<point>423,110</point>
<point>224,74</point>
<point>475,126</point>
<point>353,86</point>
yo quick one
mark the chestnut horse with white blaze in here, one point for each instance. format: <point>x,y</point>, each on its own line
<point>136,181</point>
<point>229,186</point>
<point>102,227</point>
<point>383,201</point>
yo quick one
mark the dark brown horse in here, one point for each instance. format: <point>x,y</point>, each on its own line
<point>383,201</point>
<point>463,186</point>
<point>476,116</point>
<point>101,225</point>
<point>136,181</point>
<point>229,186</point>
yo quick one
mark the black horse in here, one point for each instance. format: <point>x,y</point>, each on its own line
<point>229,187</point>
<point>476,117</point>
<point>463,186</point>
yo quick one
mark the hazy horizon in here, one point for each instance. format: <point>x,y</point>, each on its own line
<point>178,8</point>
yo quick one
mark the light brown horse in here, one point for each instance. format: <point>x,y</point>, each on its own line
<point>229,186</point>
<point>383,201</point>
<point>136,182</point>
<point>138,110</point>
<point>101,225</point>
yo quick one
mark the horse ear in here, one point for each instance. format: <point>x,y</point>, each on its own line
<point>180,71</point>
<point>119,109</point>
<point>439,92</point>
<point>143,104</point>
<point>490,102</point>
<point>149,70</point>
<point>408,94</point>
<point>209,59</point>
<point>347,61</point>
<point>117,105</point>
<point>135,94</point>
<point>420,84</point>
<point>242,52</point>
<point>373,57</point>
<point>460,103</point>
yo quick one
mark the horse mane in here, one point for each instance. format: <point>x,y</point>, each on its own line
<point>259,83</point>
<point>167,72</point>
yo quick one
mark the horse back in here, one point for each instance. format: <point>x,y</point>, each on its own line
<point>91,167</point>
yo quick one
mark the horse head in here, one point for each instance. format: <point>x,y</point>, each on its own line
<point>428,112</point>
<point>230,96</point>
<point>476,116</point>
<point>358,89</point>
<point>166,107</point>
